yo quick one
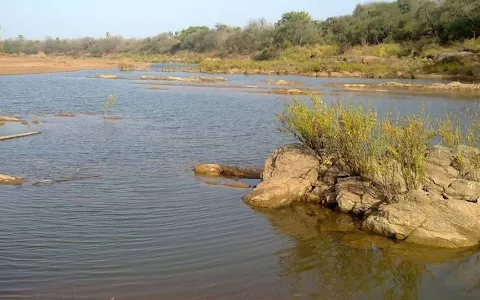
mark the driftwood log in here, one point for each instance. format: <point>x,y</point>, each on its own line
<point>13,136</point>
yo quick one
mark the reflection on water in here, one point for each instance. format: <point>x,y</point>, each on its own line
<point>148,229</point>
<point>354,265</point>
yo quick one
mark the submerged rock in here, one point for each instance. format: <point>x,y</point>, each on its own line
<point>64,114</point>
<point>185,79</point>
<point>9,119</point>
<point>290,173</point>
<point>230,183</point>
<point>10,180</point>
<point>215,170</point>
<point>286,92</point>
<point>283,82</point>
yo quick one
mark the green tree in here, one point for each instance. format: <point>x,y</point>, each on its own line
<point>296,28</point>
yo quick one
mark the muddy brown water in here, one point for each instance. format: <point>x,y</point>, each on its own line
<point>148,229</point>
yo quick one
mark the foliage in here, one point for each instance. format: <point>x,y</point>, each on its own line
<point>126,66</point>
<point>449,131</point>
<point>363,144</point>
<point>407,144</point>
<point>109,102</point>
<point>386,24</point>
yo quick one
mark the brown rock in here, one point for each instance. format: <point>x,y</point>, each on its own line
<point>10,180</point>
<point>290,173</point>
<point>447,223</point>
<point>464,190</point>
<point>9,119</point>
<point>63,114</point>
<point>226,171</point>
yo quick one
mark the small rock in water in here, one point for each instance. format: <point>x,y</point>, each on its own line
<point>9,119</point>
<point>63,114</point>
<point>10,180</point>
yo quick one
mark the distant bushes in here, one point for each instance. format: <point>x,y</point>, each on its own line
<point>367,146</point>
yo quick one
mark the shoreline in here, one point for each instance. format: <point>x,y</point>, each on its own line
<point>24,65</point>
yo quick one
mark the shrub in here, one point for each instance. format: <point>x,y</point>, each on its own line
<point>267,54</point>
<point>449,131</point>
<point>126,66</point>
<point>109,102</point>
<point>345,132</point>
<point>356,139</point>
<point>407,144</point>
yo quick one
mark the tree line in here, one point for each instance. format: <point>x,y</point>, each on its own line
<point>400,21</point>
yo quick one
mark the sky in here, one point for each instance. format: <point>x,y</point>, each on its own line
<point>37,19</point>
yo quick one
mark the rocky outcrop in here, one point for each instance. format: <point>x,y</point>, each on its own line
<point>185,79</point>
<point>444,212</point>
<point>10,180</point>
<point>290,174</point>
<point>422,218</point>
<point>215,170</point>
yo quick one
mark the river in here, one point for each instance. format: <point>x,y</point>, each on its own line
<point>149,229</point>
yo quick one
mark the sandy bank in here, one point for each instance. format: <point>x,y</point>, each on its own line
<point>10,65</point>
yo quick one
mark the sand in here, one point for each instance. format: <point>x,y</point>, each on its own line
<point>11,65</point>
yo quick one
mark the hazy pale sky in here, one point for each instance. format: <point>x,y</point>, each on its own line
<point>37,19</point>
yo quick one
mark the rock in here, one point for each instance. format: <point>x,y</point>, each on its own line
<point>337,74</point>
<point>464,190</point>
<point>9,119</point>
<point>440,156</point>
<point>357,196</point>
<point>108,76</point>
<point>453,56</point>
<point>320,194</point>
<point>283,82</point>
<point>10,180</point>
<point>35,122</point>
<point>439,175</point>
<point>185,79</point>
<point>2,123</point>
<point>323,74</point>
<point>232,184</point>
<point>286,91</point>
<point>23,122</point>
<point>215,170</point>
<point>208,169</point>
<point>290,173</point>
<point>448,223</point>
<point>64,114</point>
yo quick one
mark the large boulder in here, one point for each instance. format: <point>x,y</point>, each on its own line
<point>454,56</point>
<point>290,173</point>
<point>422,219</point>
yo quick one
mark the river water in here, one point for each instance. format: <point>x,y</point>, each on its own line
<point>149,229</point>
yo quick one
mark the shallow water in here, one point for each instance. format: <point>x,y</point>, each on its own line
<point>149,229</point>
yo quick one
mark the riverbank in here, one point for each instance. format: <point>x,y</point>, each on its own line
<point>15,65</point>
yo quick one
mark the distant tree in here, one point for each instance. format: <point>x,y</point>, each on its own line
<point>296,28</point>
